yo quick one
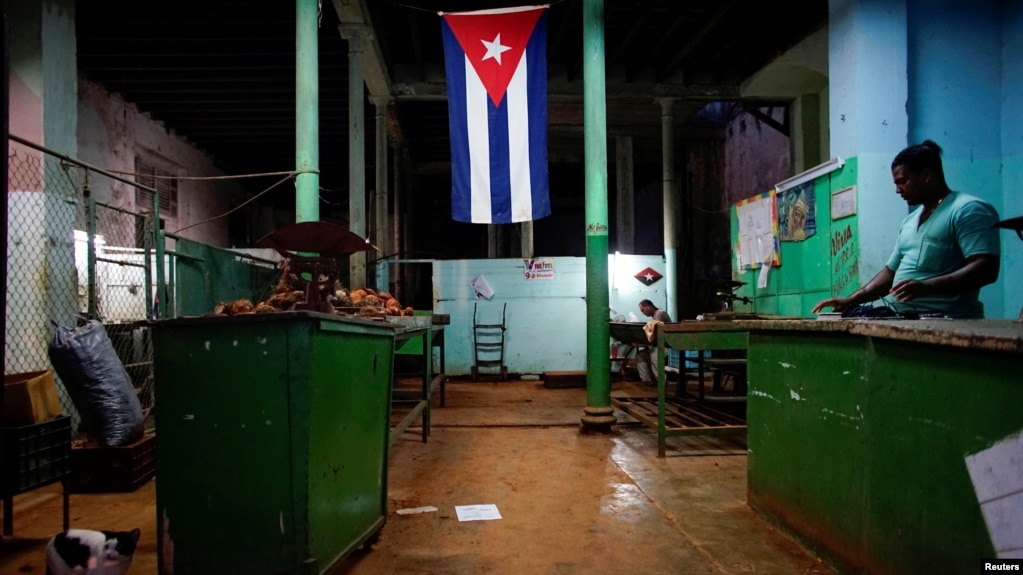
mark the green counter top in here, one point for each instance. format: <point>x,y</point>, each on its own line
<point>1001,335</point>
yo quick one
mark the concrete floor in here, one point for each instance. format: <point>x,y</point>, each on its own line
<point>570,503</point>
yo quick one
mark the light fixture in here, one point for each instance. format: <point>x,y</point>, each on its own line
<point>809,175</point>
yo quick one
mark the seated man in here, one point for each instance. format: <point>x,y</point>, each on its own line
<point>647,357</point>
<point>947,247</point>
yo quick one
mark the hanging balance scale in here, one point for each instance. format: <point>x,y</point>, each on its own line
<point>316,275</point>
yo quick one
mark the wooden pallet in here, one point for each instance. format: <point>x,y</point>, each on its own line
<point>681,417</point>
<point>684,415</point>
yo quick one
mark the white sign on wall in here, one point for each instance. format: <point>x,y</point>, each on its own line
<point>539,268</point>
<point>843,203</point>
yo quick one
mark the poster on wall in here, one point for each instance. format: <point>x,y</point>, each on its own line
<point>757,219</point>
<point>539,268</point>
<point>797,213</point>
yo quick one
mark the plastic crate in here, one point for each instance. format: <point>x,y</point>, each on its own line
<point>35,455</point>
<point>113,469</point>
<point>673,358</point>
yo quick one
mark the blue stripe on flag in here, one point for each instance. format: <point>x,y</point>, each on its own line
<point>454,57</point>
<point>536,59</point>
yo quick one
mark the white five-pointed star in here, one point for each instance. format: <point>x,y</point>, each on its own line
<point>649,277</point>
<point>495,49</point>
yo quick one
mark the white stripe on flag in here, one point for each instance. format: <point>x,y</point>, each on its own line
<point>477,120</point>
<point>517,97</point>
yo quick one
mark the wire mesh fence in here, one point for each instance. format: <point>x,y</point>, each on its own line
<point>70,257</point>
<point>121,288</point>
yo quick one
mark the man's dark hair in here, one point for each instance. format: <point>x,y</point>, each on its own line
<point>925,155</point>
<point>646,302</point>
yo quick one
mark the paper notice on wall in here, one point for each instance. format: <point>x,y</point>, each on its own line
<point>765,268</point>
<point>757,221</point>
<point>481,288</point>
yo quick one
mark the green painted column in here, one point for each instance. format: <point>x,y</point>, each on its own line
<point>599,415</point>
<point>307,113</point>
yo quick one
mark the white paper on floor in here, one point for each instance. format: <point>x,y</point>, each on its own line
<point>485,512</point>
<point>414,510</point>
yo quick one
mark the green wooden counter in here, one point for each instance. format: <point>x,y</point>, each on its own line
<point>889,446</point>
<point>273,441</point>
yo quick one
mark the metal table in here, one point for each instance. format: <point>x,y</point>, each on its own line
<point>679,415</point>
<point>430,336</point>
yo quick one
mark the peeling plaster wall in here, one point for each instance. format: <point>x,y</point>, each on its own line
<point>40,276</point>
<point>112,133</point>
<point>756,157</point>
<point>705,247</point>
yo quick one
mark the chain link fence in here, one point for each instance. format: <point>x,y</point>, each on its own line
<point>71,257</point>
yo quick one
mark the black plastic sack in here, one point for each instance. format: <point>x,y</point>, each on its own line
<point>92,373</point>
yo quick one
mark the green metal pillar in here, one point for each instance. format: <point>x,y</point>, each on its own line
<point>599,415</point>
<point>307,113</point>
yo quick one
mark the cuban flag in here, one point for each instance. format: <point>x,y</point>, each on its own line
<point>496,62</point>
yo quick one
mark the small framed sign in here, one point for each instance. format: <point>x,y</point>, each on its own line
<point>843,203</point>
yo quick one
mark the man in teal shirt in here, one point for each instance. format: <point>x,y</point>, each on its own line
<point>946,251</point>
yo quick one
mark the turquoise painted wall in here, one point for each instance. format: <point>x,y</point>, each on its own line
<point>867,68</point>
<point>60,74</point>
<point>1012,155</point>
<point>902,71</point>
<point>825,264</point>
<point>956,90</point>
<point>545,319</point>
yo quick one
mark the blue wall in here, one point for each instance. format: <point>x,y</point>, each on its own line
<point>545,319</point>
<point>1012,153</point>
<point>905,71</point>
<point>956,90</point>
<point>869,86</point>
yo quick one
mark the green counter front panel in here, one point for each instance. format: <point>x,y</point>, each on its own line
<point>273,434</point>
<point>859,445</point>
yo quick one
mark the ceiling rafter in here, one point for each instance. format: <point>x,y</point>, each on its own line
<point>214,71</point>
<point>632,31</point>
<point>708,25</point>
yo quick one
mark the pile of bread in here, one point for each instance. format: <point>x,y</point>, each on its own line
<point>289,291</point>
<point>374,303</point>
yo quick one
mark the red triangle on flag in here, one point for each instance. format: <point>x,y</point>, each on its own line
<point>494,42</point>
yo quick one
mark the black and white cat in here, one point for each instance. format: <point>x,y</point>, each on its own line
<point>87,552</point>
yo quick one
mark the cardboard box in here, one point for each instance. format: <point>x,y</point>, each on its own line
<point>30,398</point>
